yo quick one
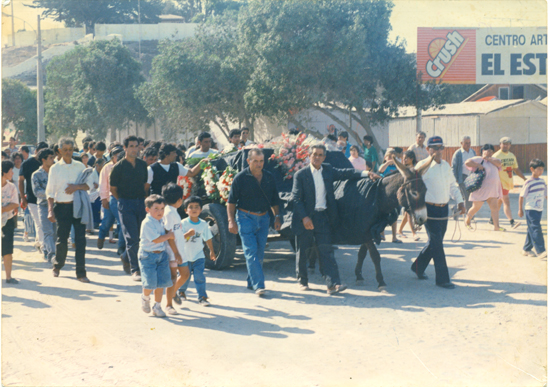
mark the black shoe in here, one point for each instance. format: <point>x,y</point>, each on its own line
<point>421,276</point>
<point>447,285</point>
<point>491,221</point>
<point>100,243</point>
<point>55,272</point>
<point>126,266</point>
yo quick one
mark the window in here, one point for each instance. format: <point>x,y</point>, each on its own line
<point>503,93</point>
<point>517,92</point>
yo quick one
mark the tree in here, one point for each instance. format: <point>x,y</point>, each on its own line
<point>329,55</point>
<point>87,13</point>
<point>19,109</point>
<point>92,88</point>
<point>200,81</point>
<point>194,11</point>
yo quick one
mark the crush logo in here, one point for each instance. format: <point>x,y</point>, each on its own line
<point>443,52</point>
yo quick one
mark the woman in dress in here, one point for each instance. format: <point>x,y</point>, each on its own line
<point>357,161</point>
<point>409,160</point>
<point>490,190</point>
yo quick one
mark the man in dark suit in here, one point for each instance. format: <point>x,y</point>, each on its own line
<point>315,212</point>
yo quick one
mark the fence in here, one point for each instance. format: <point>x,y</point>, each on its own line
<point>133,32</point>
<point>51,36</point>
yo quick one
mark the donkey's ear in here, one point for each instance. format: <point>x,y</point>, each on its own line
<point>423,169</point>
<point>406,172</point>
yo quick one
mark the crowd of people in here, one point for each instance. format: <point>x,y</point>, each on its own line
<point>128,191</point>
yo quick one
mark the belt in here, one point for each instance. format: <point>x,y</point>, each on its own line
<point>437,205</point>
<point>157,251</point>
<point>63,202</point>
<point>252,213</point>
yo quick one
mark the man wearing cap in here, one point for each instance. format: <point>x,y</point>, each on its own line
<point>509,165</point>
<point>441,185</point>
<point>110,208</point>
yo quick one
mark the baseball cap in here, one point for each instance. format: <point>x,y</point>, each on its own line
<point>506,140</point>
<point>435,140</point>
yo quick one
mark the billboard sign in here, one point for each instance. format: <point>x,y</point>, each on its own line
<point>483,55</point>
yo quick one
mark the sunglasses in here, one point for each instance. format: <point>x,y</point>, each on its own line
<point>438,147</point>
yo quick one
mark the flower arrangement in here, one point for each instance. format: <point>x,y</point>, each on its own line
<point>210,178</point>
<point>224,183</point>
<point>186,184</point>
<point>292,155</point>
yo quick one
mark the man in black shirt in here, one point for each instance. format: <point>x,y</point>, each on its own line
<point>128,182</point>
<point>28,198</point>
<point>253,193</point>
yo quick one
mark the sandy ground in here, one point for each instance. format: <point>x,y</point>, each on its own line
<point>489,331</point>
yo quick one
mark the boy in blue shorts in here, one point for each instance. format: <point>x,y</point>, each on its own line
<point>195,232</point>
<point>152,257</point>
<point>534,194</point>
<point>173,194</point>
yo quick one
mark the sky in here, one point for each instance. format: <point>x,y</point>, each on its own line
<point>406,17</point>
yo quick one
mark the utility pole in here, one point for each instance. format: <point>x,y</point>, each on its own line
<point>139,23</point>
<point>40,90</point>
<point>12,26</point>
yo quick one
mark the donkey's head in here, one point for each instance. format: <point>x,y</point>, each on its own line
<point>412,193</point>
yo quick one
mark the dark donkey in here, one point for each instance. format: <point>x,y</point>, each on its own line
<point>404,189</point>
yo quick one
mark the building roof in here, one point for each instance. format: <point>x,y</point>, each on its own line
<point>463,108</point>
<point>473,97</point>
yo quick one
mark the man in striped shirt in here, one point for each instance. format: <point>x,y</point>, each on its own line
<point>534,194</point>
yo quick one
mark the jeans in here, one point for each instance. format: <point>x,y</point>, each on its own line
<point>131,213</point>
<point>49,229</point>
<point>29,224</point>
<point>33,208</point>
<point>534,238</point>
<point>196,268</point>
<point>155,270</point>
<point>96,212</point>
<point>253,231</point>
<point>320,236</point>
<point>64,214</point>
<point>434,248</point>
<point>109,218</point>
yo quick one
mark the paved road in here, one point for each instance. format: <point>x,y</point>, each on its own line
<point>489,331</point>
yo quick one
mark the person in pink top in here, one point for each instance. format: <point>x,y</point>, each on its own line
<point>110,208</point>
<point>357,161</point>
<point>490,190</point>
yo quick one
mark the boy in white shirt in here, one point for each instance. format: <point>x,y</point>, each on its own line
<point>195,231</point>
<point>173,194</point>
<point>152,257</point>
<point>533,194</point>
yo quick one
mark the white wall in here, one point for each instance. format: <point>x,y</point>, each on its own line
<point>51,36</point>
<point>131,32</point>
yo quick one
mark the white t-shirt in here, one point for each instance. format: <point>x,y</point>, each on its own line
<point>9,196</point>
<point>172,222</point>
<point>201,154</point>
<point>194,245</point>
<point>150,174</point>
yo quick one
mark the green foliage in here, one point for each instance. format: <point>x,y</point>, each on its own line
<point>197,11</point>
<point>199,81</point>
<point>19,109</point>
<point>92,88</point>
<point>88,13</point>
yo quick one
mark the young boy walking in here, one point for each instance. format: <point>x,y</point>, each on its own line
<point>152,257</point>
<point>173,194</point>
<point>195,231</point>
<point>533,193</point>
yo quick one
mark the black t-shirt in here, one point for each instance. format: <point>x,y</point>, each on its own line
<point>28,167</point>
<point>246,192</point>
<point>129,180</point>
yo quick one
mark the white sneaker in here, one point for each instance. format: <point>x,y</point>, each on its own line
<point>204,302</point>
<point>171,311</point>
<point>260,292</point>
<point>146,305</point>
<point>157,310</point>
<point>529,253</point>
<point>543,255</point>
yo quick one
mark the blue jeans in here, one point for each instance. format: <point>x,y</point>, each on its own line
<point>534,238</point>
<point>131,213</point>
<point>196,269</point>
<point>109,218</point>
<point>50,231</point>
<point>96,212</point>
<point>434,248</point>
<point>29,223</point>
<point>155,270</point>
<point>253,231</point>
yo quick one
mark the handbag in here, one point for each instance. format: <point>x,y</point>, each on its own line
<point>473,182</point>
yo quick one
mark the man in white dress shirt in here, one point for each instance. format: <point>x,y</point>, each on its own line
<point>60,193</point>
<point>441,184</point>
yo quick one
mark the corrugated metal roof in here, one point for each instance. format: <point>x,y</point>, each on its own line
<point>463,108</point>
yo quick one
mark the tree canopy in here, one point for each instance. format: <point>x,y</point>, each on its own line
<point>88,13</point>
<point>19,109</point>
<point>92,88</point>
<point>199,81</point>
